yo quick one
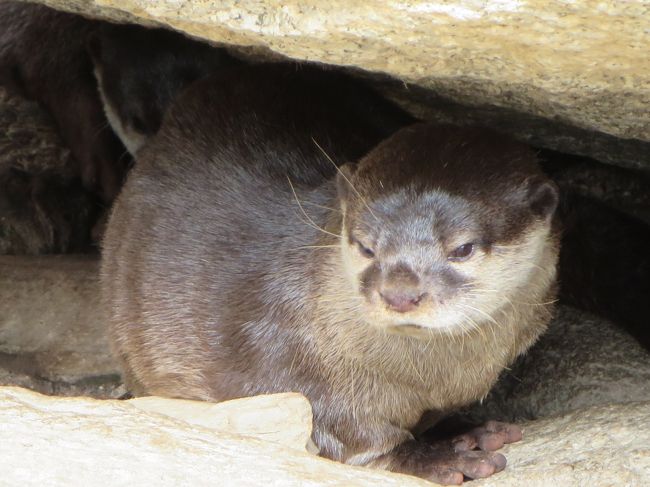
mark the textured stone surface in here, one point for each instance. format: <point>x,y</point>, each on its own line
<point>576,62</point>
<point>527,126</point>
<point>28,138</point>
<point>43,207</point>
<point>605,445</point>
<point>581,361</point>
<point>51,331</point>
<point>86,442</point>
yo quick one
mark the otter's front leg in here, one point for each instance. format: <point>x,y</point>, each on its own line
<point>449,461</point>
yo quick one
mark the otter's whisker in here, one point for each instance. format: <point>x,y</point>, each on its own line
<point>305,202</point>
<point>312,222</point>
<point>317,247</point>
<point>487,315</point>
<point>346,178</point>
<point>101,128</point>
<point>413,367</point>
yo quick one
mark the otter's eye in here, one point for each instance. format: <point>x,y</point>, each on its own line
<point>461,253</point>
<point>365,251</point>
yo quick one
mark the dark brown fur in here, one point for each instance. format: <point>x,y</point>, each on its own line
<point>52,57</point>
<point>223,273</point>
<point>43,56</point>
<point>141,70</point>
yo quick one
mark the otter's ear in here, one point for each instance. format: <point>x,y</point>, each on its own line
<point>344,180</point>
<point>543,197</point>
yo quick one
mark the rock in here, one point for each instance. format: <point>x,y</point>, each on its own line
<point>43,206</point>
<point>581,361</point>
<point>572,64</point>
<point>230,416</point>
<point>605,445</point>
<point>528,127</point>
<point>625,190</point>
<point>29,140</point>
<point>87,442</point>
<point>52,335</point>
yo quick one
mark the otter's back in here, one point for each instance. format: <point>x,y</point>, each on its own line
<point>207,231</point>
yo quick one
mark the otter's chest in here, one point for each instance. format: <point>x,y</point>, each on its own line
<point>402,395</point>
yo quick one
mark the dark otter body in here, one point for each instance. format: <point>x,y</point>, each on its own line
<point>237,263</point>
<point>43,56</point>
<point>53,57</point>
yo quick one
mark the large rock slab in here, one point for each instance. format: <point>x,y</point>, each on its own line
<point>77,441</point>
<point>52,331</point>
<point>87,442</point>
<point>572,62</point>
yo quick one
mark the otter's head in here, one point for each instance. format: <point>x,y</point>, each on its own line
<point>443,227</point>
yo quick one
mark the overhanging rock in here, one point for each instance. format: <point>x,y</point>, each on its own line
<point>580,63</point>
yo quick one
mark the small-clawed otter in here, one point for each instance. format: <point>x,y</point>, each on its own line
<point>239,261</point>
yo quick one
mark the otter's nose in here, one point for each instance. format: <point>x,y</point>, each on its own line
<point>402,301</point>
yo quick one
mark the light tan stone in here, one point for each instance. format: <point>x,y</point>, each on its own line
<point>266,421</point>
<point>78,441</point>
<point>50,318</point>
<point>582,62</point>
<point>600,446</point>
<point>65,441</point>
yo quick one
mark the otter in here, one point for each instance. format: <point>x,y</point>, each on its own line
<point>287,230</point>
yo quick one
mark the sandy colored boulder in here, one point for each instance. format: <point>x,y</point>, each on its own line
<point>79,441</point>
<point>88,442</point>
<point>576,62</point>
<point>51,327</point>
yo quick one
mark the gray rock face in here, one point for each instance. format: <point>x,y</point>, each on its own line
<point>43,207</point>
<point>581,361</point>
<point>52,336</point>
<point>605,445</point>
<point>573,66</point>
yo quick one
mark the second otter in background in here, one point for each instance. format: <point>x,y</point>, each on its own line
<point>44,55</point>
<point>139,72</point>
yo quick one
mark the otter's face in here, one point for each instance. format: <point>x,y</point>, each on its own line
<point>424,260</point>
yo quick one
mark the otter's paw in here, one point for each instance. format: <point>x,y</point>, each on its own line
<point>450,461</point>
<point>489,437</point>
